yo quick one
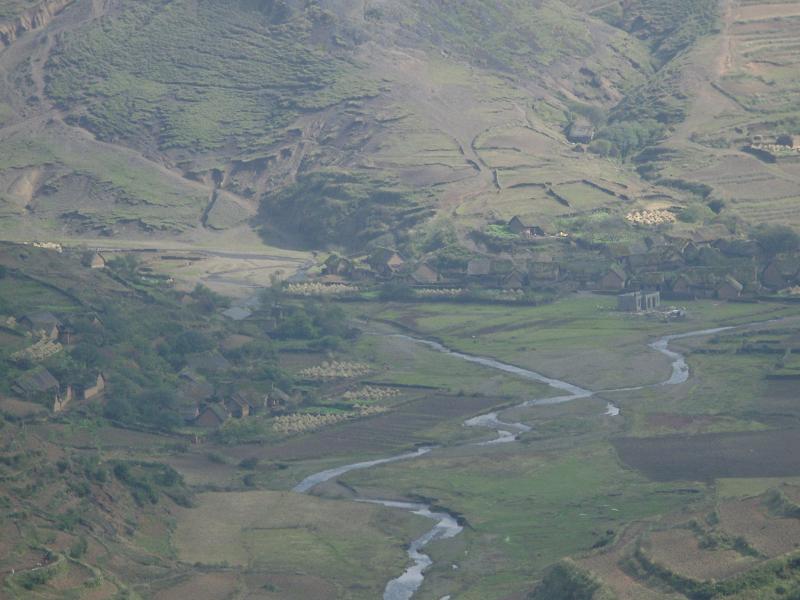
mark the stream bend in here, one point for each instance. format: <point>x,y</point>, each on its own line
<point>406,585</point>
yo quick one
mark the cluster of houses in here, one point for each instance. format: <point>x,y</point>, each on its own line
<point>706,264</point>
<point>38,384</point>
<point>200,402</point>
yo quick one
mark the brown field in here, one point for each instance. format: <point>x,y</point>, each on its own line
<point>386,433</point>
<point>606,565</point>
<point>197,469</point>
<point>287,535</point>
<point>680,552</point>
<point>760,12</point>
<point>748,517</point>
<point>20,408</point>
<point>715,455</point>
<point>287,586</point>
<point>201,586</point>
<point>108,437</point>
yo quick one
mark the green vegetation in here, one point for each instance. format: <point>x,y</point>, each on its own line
<point>13,8</point>
<point>148,72</point>
<point>566,580</point>
<point>478,30</point>
<point>346,209</point>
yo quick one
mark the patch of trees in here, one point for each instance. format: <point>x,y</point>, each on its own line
<point>323,324</point>
<point>775,239</point>
<point>147,481</point>
<point>567,580</point>
<point>207,300</point>
<point>624,138</point>
<point>342,208</point>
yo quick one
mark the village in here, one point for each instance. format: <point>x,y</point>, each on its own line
<point>704,264</point>
<point>534,266</point>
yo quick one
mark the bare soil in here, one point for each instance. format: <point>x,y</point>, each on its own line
<point>711,456</point>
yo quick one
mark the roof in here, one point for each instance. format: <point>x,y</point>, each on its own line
<point>208,362</point>
<point>522,222</point>
<point>385,256</point>
<point>279,394</point>
<point>238,399</point>
<point>40,380</point>
<point>41,320</point>
<point>218,411</point>
<point>196,392</point>
<point>188,411</point>
<point>190,374</point>
<point>479,266</point>
<point>237,313</point>
<point>618,271</point>
<point>502,266</point>
<point>580,130</point>
<point>425,274</point>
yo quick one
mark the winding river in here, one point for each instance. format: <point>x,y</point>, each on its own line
<point>407,584</point>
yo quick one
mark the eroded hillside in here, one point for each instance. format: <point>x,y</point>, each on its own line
<point>137,120</point>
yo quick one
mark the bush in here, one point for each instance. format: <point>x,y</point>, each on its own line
<point>79,548</point>
<point>716,205</point>
<point>695,213</point>
<point>249,463</point>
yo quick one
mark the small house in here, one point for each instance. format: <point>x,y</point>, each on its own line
<point>44,323</point>
<point>237,313</point>
<point>212,416</point>
<point>95,389</point>
<point>479,267</point>
<point>681,286</point>
<point>425,275</point>
<point>638,301</point>
<point>516,280</point>
<point>386,262</point>
<point>189,412</point>
<point>36,383</point>
<point>338,265</point>
<point>62,399</point>
<point>67,335</point>
<point>189,374</point>
<point>614,279</point>
<point>238,406</point>
<point>277,399</point>
<point>94,260</point>
<point>580,132</point>
<point>523,229</point>
<point>729,289</point>
<point>544,271</point>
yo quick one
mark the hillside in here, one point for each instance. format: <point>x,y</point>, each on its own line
<point>185,119</point>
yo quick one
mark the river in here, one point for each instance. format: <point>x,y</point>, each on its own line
<point>406,585</point>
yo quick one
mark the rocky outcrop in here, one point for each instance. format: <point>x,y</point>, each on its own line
<point>31,19</point>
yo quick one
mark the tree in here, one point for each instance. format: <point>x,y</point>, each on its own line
<point>775,239</point>
<point>298,325</point>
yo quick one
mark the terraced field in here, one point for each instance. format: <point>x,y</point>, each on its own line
<point>752,79</point>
